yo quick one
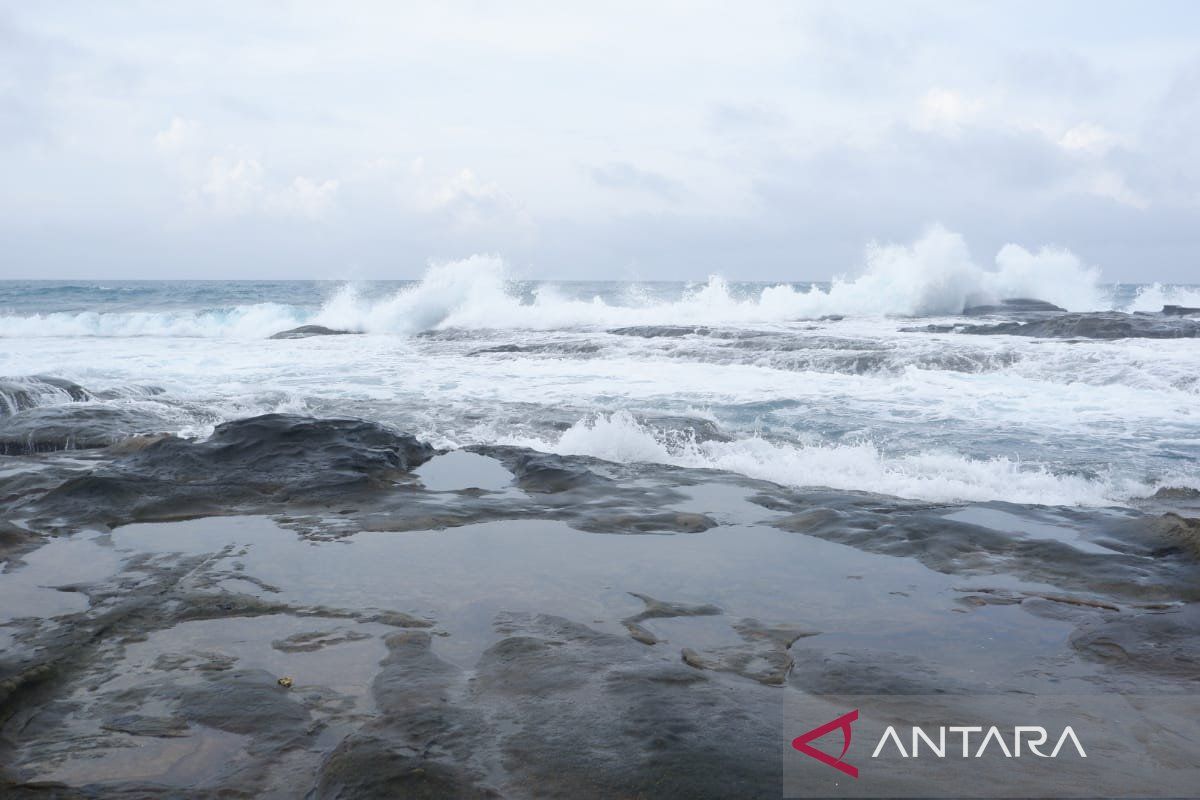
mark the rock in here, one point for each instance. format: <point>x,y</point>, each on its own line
<point>312,641</point>
<point>1165,643</point>
<point>138,725</point>
<point>304,331</point>
<point>658,609</point>
<point>370,768</point>
<point>1096,325</point>
<point>661,331</point>
<point>74,426</point>
<point>268,460</point>
<point>1180,311</point>
<point>1013,305</point>
<point>244,701</point>
<point>19,394</point>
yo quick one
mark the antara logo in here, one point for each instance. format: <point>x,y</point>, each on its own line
<point>1033,737</point>
<point>844,722</point>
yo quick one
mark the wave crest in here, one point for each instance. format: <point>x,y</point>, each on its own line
<point>935,275</point>
<point>940,477</point>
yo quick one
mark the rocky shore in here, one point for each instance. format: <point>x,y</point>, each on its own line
<point>328,608</point>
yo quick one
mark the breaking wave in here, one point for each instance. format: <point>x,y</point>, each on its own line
<point>940,477</point>
<point>240,322</point>
<point>935,275</point>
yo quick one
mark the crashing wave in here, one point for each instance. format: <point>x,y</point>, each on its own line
<point>935,275</point>
<point>940,477</point>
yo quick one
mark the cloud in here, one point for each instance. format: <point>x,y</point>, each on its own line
<point>1088,139</point>
<point>946,111</point>
<point>179,134</point>
<point>625,176</point>
<point>573,142</point>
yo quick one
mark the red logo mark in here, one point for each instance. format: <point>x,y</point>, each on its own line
<point>801,743</point>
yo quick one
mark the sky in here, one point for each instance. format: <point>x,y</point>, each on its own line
<point>640,141</point>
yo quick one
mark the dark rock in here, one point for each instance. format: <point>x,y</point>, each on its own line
<point>304,331</point>
<point>642,522</point>
<point>1013,305</point>
<point>1095,325</point>
<point>366,768</point>
<point>661,331</point>
<point>138,725</point>
<point>1151,558</point>
<point>19,394</point>
<point>74,426</point>
<point>246,702</point>
<point>1165,643</point>
<point>1180,311</point>
<point>265,461</point>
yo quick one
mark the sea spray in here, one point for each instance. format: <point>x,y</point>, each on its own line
<point>935,275</point>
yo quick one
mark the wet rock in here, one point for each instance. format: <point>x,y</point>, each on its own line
<point>316,640</point>
<point>596,715</point>
<point>658,609</point>
<point>850,672</point>
<point>15,540</point>
<point>1180,311</point>
<point>1164,643</point>
<point>545,473</point>
<point>689,428</point>
<point>667,522</point>
<point>138,725</point>
<point>548,348</point>
<point>501,348</point>
<point>661,331</point>
<point>366,767</point>
<point>269,460</point>
<point>1014,305</point>
<point>1096,325</point>
<point>304,331</point>
<point>21,393</point>
<point>1147,558</point>
<point>247,702</point>
<point>74,426</point>
<point>764,657</point>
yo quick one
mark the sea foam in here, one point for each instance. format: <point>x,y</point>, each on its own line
<point>937,476</point>
<point>935,275</point>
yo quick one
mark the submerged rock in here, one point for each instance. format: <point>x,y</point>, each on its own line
<point>661,331</point>
<point>19,394</point>
<point>304,331</point>
<point>1096,325</point>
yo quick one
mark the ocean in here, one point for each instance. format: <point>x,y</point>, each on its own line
<point>867,384</point>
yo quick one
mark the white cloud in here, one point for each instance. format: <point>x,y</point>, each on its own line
<point>772,142</point>
<point>1088,139</point>
<point>179,134</point>
<point>1111,185</point>
<point>946,111</point>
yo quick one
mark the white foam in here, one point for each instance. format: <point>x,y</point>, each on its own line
<point>1155,296</point>
<point>935,275</point>
<point>932,476</point>
<point>240,322</point>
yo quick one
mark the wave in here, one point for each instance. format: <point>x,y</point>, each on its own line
<point>1153,297</point>
<point>255,321</point>
<point>935,275</point>
<point>940,477</point>
<point>30,391</point>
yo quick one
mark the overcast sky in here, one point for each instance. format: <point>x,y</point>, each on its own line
<point>755,140</point>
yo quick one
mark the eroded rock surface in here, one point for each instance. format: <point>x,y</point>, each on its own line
<point>486,644</point>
